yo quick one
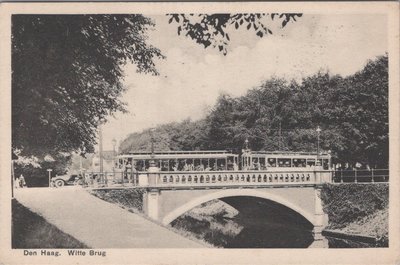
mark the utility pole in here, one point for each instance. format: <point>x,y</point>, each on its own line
<point>318,134</point>
<point>280,136</point>
<point>101,149</point>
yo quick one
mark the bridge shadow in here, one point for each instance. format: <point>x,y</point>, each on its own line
<point>258,223</point>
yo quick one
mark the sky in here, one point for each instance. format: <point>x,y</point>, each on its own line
<point>192,77</point>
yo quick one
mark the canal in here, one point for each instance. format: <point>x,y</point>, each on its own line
<point>249,222</point>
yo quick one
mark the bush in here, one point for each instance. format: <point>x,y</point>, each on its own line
<point>347,203</point>
<point>127,198</point>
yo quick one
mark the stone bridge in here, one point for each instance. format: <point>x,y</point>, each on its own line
<point>171,194</point>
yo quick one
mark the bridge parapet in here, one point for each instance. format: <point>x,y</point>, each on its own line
<point>238,178</point>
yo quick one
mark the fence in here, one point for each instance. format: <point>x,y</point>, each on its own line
<point>360,176</point>
<point>110,178</point>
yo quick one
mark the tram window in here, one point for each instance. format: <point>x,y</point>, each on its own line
<point>299,162</point>
<point>164,165</point>
<point>271,162</point>
<point>220,164</point>
<point>262,162</point>
<point>212,164</point>
<point>319,162</point>
<point>140,165</point>
<point>255,164</point>
<point>284,162</point>
<point>146,165</point>
<point>181,164</point>
<point>310,162</point>
<point>173,165</point>
<point>325,164</point>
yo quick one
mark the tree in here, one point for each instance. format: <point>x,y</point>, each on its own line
<point>66,76</point>
<point>363,114</point>
<point>211,29</point>
<point>283,115</point>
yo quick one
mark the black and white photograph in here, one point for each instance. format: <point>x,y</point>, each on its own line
<point>166,128</point>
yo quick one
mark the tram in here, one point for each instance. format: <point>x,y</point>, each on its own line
<point>180,160</point>
<point>287,161</point>
<point>225,160</point>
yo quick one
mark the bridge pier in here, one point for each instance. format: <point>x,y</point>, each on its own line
<point>152,196</point>
<point>151,203</point>
<point>321,221</point>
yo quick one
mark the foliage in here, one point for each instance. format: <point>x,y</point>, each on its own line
<point>211,29</point>
<point>186,135</point>
<point>66,76</point>
<point>38,176</point>
<point>362,111</point>
<point>283,115</point>
<point>348,203</point>
<point>131,199</point>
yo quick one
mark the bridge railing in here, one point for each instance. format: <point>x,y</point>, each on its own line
<point>100,179</point>
<point>232,178</point>
<point>239,178</point>
<point>360,176</point>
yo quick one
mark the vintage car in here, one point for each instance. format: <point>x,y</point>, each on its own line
<point>69,179</point>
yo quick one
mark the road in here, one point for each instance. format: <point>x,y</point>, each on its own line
<point>97,223</point>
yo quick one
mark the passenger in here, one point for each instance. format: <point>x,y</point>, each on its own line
<point>186,167</point>
<point>235,166</point>
<point>201,167</point>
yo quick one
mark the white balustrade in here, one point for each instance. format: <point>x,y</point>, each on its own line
<point>229,178</point>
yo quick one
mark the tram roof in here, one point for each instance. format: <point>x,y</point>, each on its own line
<point>285,153</point>
<point>178,154</point>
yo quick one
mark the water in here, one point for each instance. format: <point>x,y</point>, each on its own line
<point>248,222</point>
<point>259,223</point>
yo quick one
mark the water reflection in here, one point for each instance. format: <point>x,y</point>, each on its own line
<point>247,222</point>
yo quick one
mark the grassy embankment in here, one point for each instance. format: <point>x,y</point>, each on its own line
<point>30,230</point>
<point>358,209</point>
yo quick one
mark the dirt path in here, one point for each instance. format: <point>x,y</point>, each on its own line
<point>97,223</point>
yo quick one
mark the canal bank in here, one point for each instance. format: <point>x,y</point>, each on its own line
<point>358,212</point>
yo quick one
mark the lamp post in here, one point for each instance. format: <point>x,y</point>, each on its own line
<point>318,134</point>
<point>101,150</point>
<point>49,170</point>
<point>152,162</point>
<point>114,143</point>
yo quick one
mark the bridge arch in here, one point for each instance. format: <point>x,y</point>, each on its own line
<point>236,193</point>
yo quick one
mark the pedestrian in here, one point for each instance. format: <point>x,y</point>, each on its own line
<point>22,182</point>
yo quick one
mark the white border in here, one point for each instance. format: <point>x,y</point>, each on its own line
<point>208,256</point>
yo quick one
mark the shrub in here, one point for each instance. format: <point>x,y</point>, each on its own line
<point>347,203</point>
